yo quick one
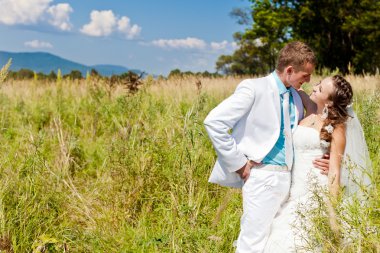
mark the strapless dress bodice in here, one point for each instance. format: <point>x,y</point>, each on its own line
<point>306,149</point>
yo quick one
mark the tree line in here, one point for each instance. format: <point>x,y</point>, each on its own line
<point>179,73</point>
<point>25,74</point>
<point>344,34</point>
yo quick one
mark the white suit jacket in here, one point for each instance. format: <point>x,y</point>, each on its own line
<point>253,113</point>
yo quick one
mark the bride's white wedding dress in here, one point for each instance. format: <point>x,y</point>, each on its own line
<point>286,234</point>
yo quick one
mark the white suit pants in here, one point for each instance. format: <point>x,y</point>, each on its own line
<point>263,194</point>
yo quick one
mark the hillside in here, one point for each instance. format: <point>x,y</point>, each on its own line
<point>46,62</point>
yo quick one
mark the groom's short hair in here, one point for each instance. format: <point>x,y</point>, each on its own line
<point>296,54</point>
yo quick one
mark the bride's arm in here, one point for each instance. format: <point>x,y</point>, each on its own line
<point>338,144</point>
<point>309,105</point>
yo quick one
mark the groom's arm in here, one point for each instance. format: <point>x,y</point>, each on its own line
<point>222,119</point>
<point>245,171</point>
<point>323,164</point>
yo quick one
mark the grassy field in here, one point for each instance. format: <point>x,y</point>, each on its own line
<point>86,167</point>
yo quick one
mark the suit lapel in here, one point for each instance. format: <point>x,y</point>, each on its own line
<point>276,96</point>
<point>298,106</point>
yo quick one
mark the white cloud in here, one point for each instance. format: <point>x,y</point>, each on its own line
<point>102,24</point>
<point>223,47</point>
<point>38,44</point>
<point>194,43</point>
<point>22,11</point>
<point>188,43</point>
<point>28,12</point>
<point>124,26</point>
<point>219,45</point>
<point>60,14</point>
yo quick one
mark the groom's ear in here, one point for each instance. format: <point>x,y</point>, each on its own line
<point>289,70</point>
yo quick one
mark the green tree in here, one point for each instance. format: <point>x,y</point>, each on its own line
<point>244,61</point>
<point>259,45</point>
<point>175,73</point>
<point>340,32</point>
<point>12,75</point>
<point>40,76</point>
<point>52,76</point>
<point>94,73</point>
<point>74,74</point>
<point>25,74</point>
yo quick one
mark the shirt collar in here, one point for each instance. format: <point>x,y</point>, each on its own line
<point>280,85</point>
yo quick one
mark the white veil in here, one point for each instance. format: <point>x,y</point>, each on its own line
<point>356,166</point>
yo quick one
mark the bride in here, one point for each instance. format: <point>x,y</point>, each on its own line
<point>328,127</point>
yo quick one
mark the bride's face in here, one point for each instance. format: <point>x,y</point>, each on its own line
<point>322,92</point>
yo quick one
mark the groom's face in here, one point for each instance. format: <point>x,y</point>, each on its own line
<point>298,77</point>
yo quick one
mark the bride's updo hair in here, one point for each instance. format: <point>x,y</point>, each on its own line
<point>337,112</point>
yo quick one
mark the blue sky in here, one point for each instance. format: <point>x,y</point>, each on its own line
<point>151,35</point>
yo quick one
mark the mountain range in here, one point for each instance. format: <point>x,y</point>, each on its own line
<point>46,62</point>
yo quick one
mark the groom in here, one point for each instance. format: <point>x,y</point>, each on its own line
<point>258,155</point>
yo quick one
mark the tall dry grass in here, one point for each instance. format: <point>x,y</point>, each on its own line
<point>86,168</point>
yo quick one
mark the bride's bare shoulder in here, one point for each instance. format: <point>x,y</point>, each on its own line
<point>339,134</point>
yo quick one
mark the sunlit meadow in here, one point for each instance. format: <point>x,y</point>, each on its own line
<point>89,167</point>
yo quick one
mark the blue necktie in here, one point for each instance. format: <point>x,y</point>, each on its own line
<point>287,131</point>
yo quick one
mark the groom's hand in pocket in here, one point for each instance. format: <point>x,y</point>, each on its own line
<point>245,171</point>
<point>323,164</point>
